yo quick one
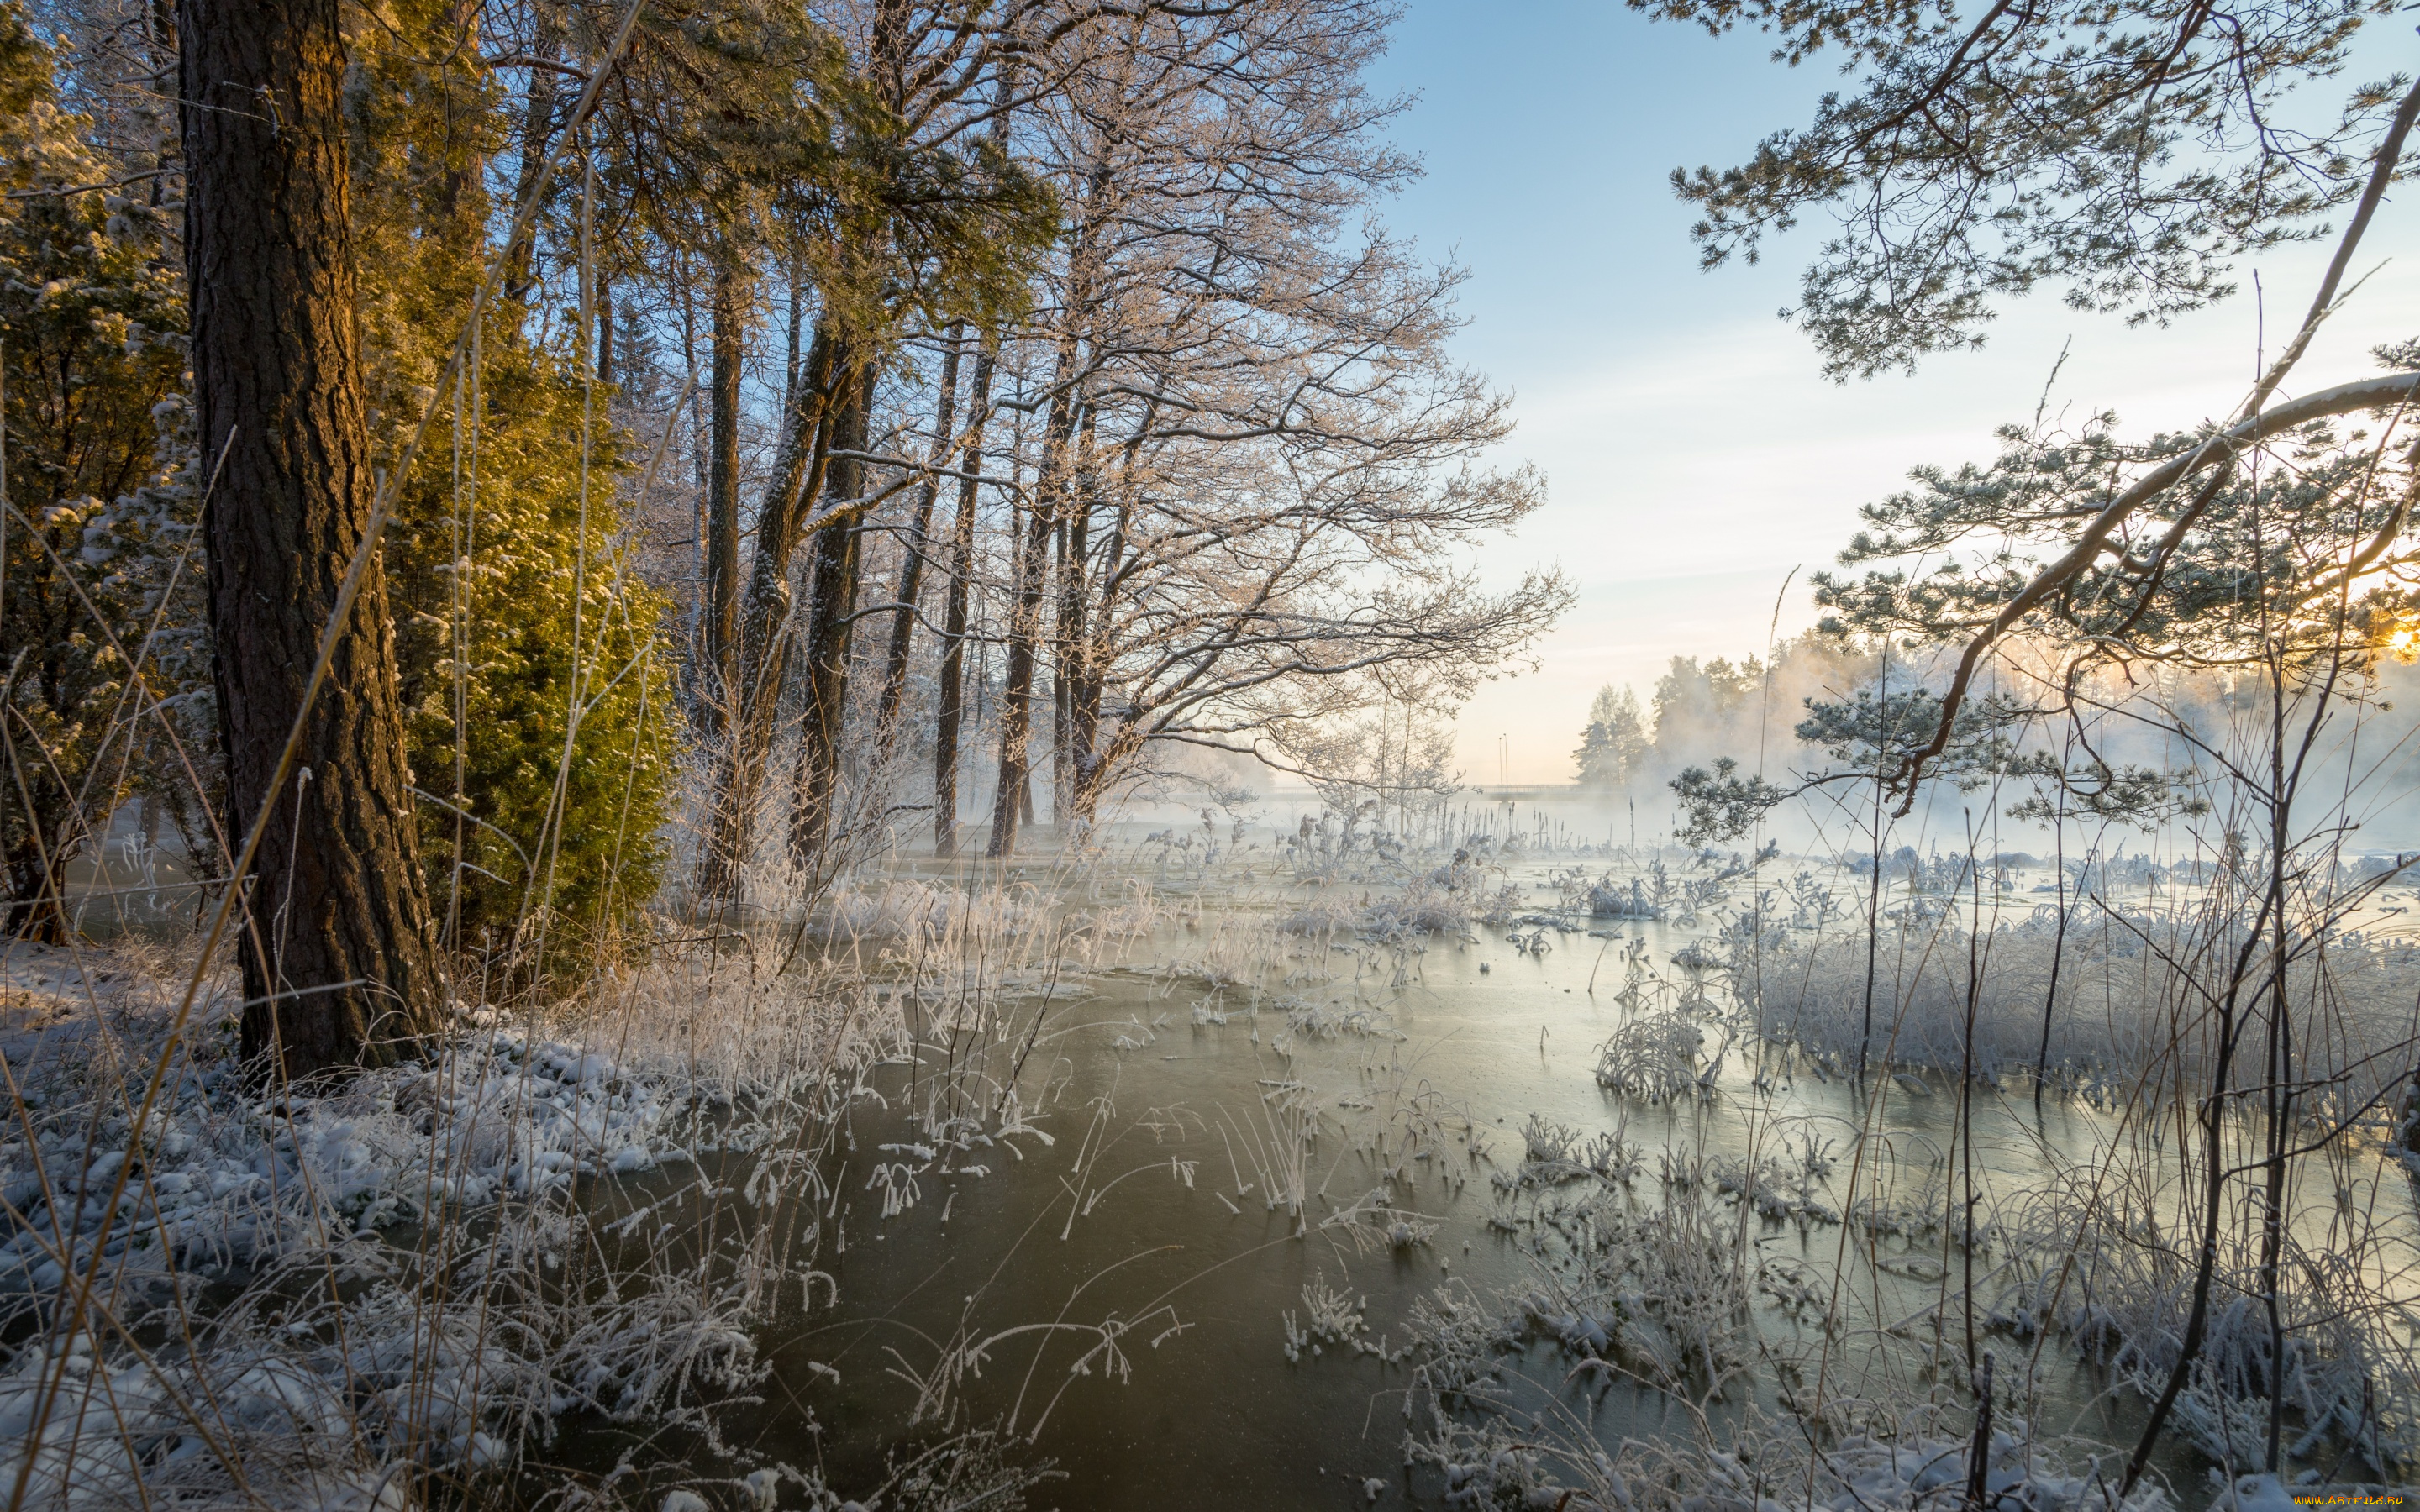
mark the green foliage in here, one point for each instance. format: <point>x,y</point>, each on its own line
<point>747,125</point>
<point>501,632</point>
<point>2130,151</point>
<point>105,655</point>
<point>1721,804</point>
<point>1873,731</point>
<point>541,736</point>
<point>1867,736</point>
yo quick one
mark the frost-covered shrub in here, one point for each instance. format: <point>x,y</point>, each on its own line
<point>1425,906</point>
<point>214,1298</point>
<point>1329,1021</point>
<point>1611,900</point>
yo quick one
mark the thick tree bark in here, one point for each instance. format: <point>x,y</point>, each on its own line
<point>340,961</point>
<point>604,328</point>
<point>953,621</point>
<point>911,565</point>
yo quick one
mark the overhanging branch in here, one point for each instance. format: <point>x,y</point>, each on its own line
<point>2344,399</point>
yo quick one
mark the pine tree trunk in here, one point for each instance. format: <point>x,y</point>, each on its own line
<point>953,621</point>
<point>604,331</point>
<point>337,898</point>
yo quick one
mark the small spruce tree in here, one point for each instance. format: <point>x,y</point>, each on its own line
<point>541,734</point>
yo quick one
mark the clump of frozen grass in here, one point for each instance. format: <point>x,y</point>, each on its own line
<point>1422,906</point>
<point>2132,997</point>
<point>1276,1144</point>
<point>1321,918</point>
<point>1914,1459</point>
<point>1653,1057</point>
<point>1552,1154</point>
<point>1779,1186</point>
<point>2092,1260</point>
<point>1609,899</point>
<point>1548,1144</point>
<point>1426,907</point>
<point>1655,1293</point>
<point>1330,1316</point>
<point>976,1468</point>
<point>1333,1020</point>
<point>1374,1221</point>
<point>1505,905</point>
<point>896,909</point>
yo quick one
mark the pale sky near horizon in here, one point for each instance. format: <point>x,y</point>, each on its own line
<point>1693,453</point>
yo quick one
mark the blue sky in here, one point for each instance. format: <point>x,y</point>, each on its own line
<point>1693,453</point>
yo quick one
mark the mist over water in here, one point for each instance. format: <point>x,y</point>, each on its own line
<point>2362,773</point>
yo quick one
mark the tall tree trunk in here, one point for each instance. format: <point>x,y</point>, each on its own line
<point>761,660</point>
<point>1071,747</point>
<point>1063,670</point>
<point>729,337</point>
<point>1003,797</point>
<point>1015,798</point>
<point>830,610</point>
<point>340,965</point>
<point>1094,760</point>
<point>911,565</point>
<point>2277,1097</point>
<point>2058,938</point>
<point>701,450</point>
<point>954,620</point>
